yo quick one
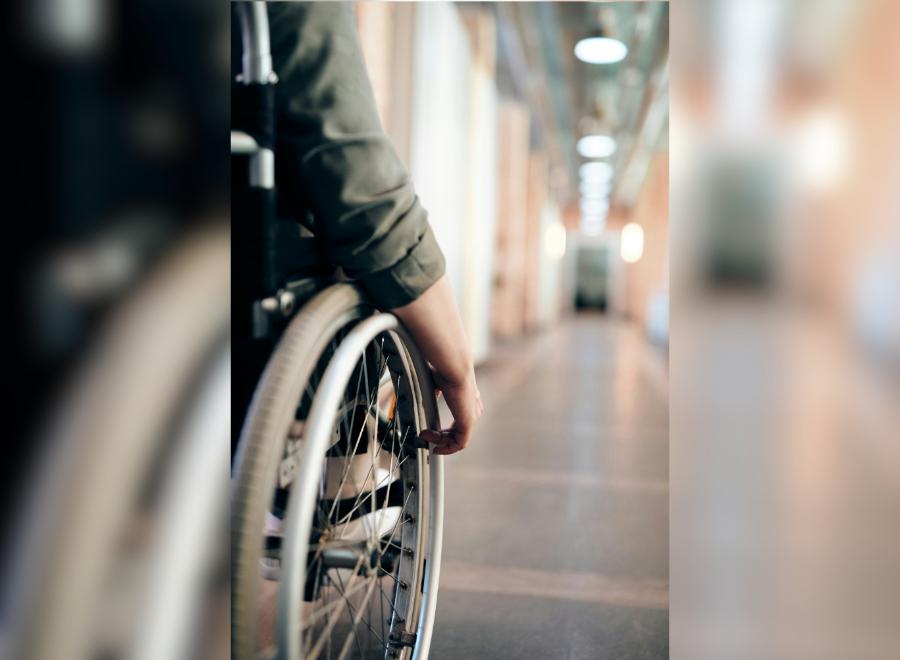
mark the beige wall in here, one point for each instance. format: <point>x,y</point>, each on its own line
<point>536,193</point>
<point>512,208</point>
<point>479,223</point>
<point>386,32</point>
<point>650,275</point>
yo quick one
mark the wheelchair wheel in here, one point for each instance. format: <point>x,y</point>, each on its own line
<point>335,504</point>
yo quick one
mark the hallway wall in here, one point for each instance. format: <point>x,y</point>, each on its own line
<point>437,94</point>
<point>439,158</point>
<point>479,224</point>
<point>509,299</point>
<point>650,276</point>
<point>483,168</point>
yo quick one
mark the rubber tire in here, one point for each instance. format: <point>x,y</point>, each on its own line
<point>261,442</point>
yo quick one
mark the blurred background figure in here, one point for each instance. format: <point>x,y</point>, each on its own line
<point>537,138</point>
<point>785,350</point>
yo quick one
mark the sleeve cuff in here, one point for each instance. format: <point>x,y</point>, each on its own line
<point>409,278</point>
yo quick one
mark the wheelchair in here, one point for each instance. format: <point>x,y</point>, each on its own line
<point>336,506</point>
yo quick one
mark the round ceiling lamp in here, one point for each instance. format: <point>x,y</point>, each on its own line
<point>592,225</point>
<point>595,189</point>
<point>596,172</point>
<point>600,50</point>
<point>594,207</point>
<point>596,146</point>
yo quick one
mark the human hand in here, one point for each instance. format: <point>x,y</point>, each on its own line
<point>464,401</point>
<point>434,323</point>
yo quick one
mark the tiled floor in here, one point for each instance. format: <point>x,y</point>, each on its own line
<point>556,532</point>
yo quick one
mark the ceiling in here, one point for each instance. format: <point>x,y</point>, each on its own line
<point>570,98</point>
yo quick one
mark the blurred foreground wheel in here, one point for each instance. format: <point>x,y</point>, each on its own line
<point>118,550</point>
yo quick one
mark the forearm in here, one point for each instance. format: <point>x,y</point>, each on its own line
<point>435,324</point>
<point>335,159</point>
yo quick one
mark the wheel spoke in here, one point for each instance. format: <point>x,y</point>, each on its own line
<point>333,619</point>
<point>331,607</point>
<point>357,502</point>
<point>359,536</point>
<point>356,620</point>
<point>369,402</point>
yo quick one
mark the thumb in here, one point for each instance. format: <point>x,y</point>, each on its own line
<point>437,437</point>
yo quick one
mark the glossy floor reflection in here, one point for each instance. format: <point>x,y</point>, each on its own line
<point>556,530</point>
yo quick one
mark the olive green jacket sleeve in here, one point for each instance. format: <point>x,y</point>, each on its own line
<point>339,158</point>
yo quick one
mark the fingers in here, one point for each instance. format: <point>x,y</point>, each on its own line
<point>433,437</point>
<point>448,450</point>
<point>445,442</point>
<point>464,403</point>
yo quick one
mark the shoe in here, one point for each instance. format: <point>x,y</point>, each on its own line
<point>270,565</point>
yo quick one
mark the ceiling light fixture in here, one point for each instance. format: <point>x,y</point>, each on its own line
<point>600,50</point>
<point>595,189</point>
<point>596,146</point>
<point>592,226</point>
<point>594,207</point>
<point>596,172</point>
